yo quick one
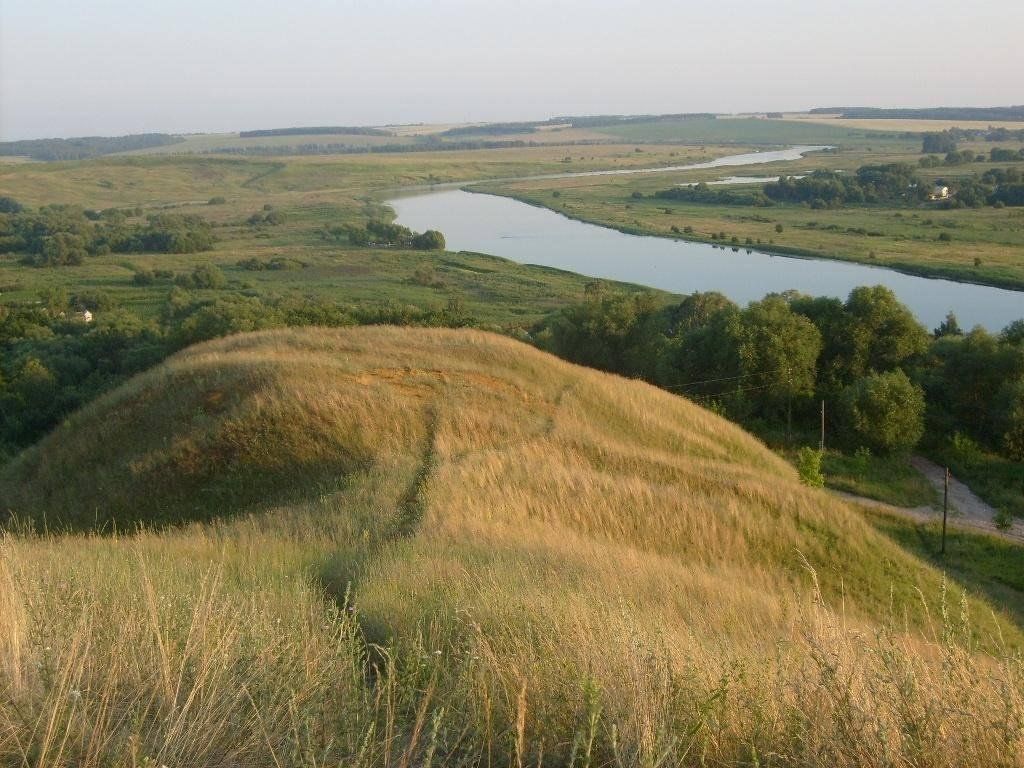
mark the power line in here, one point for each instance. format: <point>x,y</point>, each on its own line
<point>730,392</point>
<point>725,378</point>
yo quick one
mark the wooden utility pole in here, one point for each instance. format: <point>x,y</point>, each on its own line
<point>945,511</point>
<point>821,444</point>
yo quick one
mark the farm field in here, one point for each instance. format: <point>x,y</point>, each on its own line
<point>896,124</point>
<point>701,131</point>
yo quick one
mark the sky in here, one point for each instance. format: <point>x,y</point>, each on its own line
<point>113,67</point>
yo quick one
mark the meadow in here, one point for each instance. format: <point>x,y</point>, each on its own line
<point>449,508</point>
<point>983,245</point>
<point>309,194</point>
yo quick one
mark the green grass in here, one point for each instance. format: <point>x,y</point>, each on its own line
<point>310,194</point>
<point>986,564</point>
<point>997,480</point>
<point>884,478</point>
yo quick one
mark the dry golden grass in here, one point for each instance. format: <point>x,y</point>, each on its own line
<point>506,560</point>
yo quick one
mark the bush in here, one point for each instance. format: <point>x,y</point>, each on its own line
<point>431,240</point>
<point>883,411</point>
<point>10,205</point>
<point>92,300</point>
<point>143,277</point>
<point>206,276</point>
<point>1002,520</point>
<point>218,200</point>
<point>808,464</point>
<point>862,460</point>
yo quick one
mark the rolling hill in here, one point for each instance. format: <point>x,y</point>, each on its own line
<point>445,545</point>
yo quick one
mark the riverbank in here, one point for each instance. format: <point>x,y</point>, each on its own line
<point>531,233</point>
<point>1005,277</point>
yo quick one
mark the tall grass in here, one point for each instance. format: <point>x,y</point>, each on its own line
<point>529,564</point>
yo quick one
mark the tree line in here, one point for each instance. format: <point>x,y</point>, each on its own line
<point>65,235</point>
<point>319,130</point>
<point>943,142</point>
<point>889,381</point>
<point>1012,113</point>
<point>891,184</point>
<point>85,146</point>
<point>383,233</point>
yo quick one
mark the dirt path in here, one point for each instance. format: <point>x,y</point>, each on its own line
<point>966,510</point>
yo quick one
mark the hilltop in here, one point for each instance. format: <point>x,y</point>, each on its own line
<point>540,552</point>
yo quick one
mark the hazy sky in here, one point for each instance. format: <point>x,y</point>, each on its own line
<point>81,67</point>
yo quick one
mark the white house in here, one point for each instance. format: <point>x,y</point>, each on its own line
<point>939,192</point>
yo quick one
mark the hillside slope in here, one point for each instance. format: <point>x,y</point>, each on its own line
<point>480,437</point>
<point>566,541</point>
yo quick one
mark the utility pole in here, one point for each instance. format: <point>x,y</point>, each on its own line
<point>945,511</point>
<point>821,443</point>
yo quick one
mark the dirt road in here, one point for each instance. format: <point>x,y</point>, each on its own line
<point>966,510</point>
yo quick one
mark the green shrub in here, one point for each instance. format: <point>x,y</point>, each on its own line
<point>1002,520</point>
<point>808,464</point>
<point>862,460</point>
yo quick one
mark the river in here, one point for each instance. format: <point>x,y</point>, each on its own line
<point>504,227</point>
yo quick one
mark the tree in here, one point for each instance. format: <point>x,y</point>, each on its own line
<point>204,276</point>
<point>879,334</point>
<point>1011,406</point>
<point>618,332</point>
<point>9,205</point>
<point>948,327</point>
<point>698,346</point>
<point>61,249</point>
<point>938,143</point>
<point>777,351</point>
<point>969,374</point>
<point>431,240</point>
<point>1013,333</point>
<point>883,412</point>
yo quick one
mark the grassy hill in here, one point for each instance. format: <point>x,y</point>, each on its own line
<point>398,546</point>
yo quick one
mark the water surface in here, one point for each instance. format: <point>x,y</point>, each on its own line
<point>514,230</point>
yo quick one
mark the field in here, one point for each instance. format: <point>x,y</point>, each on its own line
<point>742,130</point>
<point>723,130</point>
<point>219,142</point>
<point>309,193</point>
<point>397,532</point>
<point>401,136</point>
<point>913,126</point>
